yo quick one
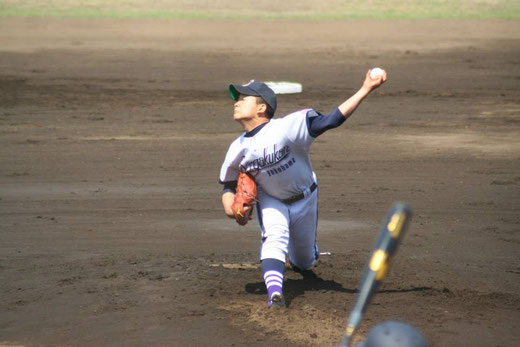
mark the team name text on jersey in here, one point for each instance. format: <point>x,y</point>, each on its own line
<point>269,158</point>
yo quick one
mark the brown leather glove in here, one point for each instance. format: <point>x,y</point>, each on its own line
<point>245,198</point>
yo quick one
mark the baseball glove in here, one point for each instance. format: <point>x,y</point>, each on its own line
<point>245,198</point>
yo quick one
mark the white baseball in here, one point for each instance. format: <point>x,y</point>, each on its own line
<point>376,72</point>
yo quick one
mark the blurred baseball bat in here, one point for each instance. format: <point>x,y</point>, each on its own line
<point>378,265</point>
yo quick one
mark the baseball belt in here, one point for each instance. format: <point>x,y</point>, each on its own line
<point>300,196</point>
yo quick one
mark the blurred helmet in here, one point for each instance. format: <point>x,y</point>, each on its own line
<point>394,334</point>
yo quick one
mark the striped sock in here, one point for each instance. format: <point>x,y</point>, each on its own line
<point>273,276</point>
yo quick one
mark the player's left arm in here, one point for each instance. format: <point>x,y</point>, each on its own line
<point>351,104</point>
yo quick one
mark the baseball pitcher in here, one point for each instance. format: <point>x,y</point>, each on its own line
<point>272,158</point>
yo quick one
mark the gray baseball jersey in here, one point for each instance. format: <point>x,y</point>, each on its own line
<point>277,155</point>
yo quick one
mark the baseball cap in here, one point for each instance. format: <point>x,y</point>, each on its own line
<point>255,88</point>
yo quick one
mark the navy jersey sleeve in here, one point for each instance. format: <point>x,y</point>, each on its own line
<point>317,123</point>
<point>230,187</point>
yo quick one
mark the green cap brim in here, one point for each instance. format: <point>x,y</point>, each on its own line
<point>233,93</point>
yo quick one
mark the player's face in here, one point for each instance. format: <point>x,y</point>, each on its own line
<point>246,107</point>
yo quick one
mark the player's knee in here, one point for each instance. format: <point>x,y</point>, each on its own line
<point>274,247</point>
<point>273,253</point>
<point>304,260</point>
<point>276,237</point>
<point>304,264</point>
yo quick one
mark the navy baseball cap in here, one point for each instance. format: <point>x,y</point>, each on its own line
<point>255,88</point>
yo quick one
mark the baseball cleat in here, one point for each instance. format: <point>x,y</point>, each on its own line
<point>277,301</point>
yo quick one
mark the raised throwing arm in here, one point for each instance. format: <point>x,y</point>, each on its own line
<point>369,84</point>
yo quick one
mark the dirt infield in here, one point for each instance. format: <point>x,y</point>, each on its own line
<point>112,137</point>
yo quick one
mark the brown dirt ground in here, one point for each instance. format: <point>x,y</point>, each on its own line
<point>112,136</point>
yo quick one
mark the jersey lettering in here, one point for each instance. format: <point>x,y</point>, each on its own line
<point>281,168</point>
<point>266,160</point>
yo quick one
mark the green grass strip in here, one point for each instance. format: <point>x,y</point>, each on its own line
<point>432,13</point>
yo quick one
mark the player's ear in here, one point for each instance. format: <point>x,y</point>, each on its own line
<point>262,108</point>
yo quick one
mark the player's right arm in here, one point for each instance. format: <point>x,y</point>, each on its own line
<point>351,104</point>
<point>317,123</point>
<point>227,201</point>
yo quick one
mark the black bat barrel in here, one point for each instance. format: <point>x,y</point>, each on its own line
<point>379,263</point>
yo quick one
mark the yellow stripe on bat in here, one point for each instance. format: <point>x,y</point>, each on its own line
<point>381,274</point>
<point>378,260</point>
<point>350,330</point>
<point>396,224</point>
<point>378,264</point>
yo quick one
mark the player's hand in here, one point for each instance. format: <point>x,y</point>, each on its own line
<point>248,211</point>
<point>370,84</point>
<point>227,202</point>
<point>243,215</point>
